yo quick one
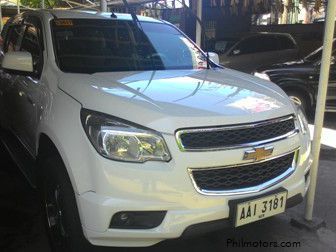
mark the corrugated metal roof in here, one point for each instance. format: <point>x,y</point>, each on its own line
<point>131,2</point>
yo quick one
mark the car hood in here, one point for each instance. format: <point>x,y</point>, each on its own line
<point>172,99</point>
<point>287,66</point>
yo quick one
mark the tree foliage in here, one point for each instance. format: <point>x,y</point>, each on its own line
<point>37,3</point>
<point>233,5</point>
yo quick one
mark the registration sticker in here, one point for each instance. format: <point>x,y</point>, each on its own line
<point>63,22</point>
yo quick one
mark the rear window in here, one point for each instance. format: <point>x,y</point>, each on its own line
<point>285,43</point>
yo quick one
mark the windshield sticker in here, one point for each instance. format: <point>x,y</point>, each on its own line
<point>63,22</point>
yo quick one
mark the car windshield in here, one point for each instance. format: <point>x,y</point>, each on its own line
<point>317,54</point>
<point>314,56</point>
<point>91,45</point>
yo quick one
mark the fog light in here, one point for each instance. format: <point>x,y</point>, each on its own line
<point>137,219</point>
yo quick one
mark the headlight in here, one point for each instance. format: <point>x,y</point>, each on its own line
<point>119,140</point>
<point>262,76</point>
<point>302,119</point>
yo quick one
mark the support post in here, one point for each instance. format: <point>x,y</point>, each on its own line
<point>18,6</point>
<point>1,24</point>
<point>103,5</point>
<point>296,12</point>
<point>42,4</point>
<point>198,25</point>
<point>284,18</point>
<point>320,107</point>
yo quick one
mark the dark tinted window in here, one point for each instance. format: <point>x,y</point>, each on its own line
<point>246,46</point>
<point>223,46</point>
<point>30,43</point>
<point>89,46</point>
<point>267,43</point>
<point>256,44</point>
<point>285,43</point>
<point>317,54</point>
<point>13,42</point>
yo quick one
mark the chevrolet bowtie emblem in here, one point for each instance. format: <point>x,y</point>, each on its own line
<point>258,154</point>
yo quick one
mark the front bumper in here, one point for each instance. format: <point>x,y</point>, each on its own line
<point>211,226</point>
<point>177,222</point>
<point>158,186</point>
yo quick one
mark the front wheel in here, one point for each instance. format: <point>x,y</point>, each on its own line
<point>59,206</point>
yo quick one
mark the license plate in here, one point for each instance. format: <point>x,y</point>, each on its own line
<point>261,208</point>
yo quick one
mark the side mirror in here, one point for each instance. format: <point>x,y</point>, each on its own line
<point>214,57</point>
<point>18,63</point>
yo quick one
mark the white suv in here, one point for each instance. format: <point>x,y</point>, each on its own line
<point>132,140</point>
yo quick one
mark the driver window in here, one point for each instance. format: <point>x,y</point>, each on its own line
<point>14,39</point>
<point>31,43</point>
<point>246,46</point>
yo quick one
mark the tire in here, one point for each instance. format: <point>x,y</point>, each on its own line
<point>59,208</point>
<point>300,99</point>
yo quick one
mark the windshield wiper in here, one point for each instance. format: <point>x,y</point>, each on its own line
<point>135,19</point>
<point>140,31</point>
<point>206,39</point>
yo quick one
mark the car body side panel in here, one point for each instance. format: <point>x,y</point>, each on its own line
<point>67,134</point>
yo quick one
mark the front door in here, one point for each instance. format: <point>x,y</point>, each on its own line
<point>7,81</point>
<point>29,88</point>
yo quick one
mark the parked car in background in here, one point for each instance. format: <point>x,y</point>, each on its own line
<point>299,79</point>
<point>131,141</point>
<point>256,50</point>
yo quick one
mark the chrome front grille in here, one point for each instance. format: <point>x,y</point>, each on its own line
<point>244,178</point>
<point>236,136</point>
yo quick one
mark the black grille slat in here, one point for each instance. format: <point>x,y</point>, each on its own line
<point>240,177</point>
<point>230,137</point>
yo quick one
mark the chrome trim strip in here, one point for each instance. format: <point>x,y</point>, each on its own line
<point>247,190</point>
<point>235,127</point>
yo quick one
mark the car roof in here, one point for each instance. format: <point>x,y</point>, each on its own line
<point>240,36</point>
<point>268,34</point>
<point>88,14</point>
